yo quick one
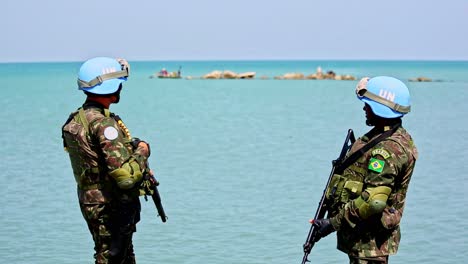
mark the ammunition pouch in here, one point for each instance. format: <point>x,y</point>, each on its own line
<point>127,175</point>
<point>341,190</point>
<point>372,201</point>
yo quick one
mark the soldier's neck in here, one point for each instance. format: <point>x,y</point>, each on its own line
<point>104,101</point>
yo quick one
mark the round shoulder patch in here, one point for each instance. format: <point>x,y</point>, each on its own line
<point>111,133</point>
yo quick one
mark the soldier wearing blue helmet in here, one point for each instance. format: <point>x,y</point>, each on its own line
<point>366,199</point>
<point>108,164</point>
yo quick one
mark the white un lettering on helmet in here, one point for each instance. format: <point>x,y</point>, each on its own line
<point>387,95</point>
<point>108,70</point>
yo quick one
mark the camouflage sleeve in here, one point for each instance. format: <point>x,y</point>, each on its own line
<point>141,157</point>
<point>384,165</point>
<point>111,141</point>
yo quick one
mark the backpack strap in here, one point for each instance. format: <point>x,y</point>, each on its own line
<point>82,119</point>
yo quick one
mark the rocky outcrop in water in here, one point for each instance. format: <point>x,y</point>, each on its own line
<point>228,75</point>
<point>318,75</point>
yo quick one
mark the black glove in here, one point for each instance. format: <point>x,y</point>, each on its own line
<point>324,228</point>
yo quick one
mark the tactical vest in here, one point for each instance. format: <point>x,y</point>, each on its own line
<point>350,184</point>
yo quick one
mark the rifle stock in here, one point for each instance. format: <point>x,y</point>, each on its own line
<point>322,210</point>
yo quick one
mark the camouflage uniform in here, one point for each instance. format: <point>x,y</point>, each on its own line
<point>389,163</point>
<point>97,146</point>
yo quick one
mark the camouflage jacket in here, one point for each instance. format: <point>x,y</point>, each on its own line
<point>389,163</point>
<point>97,146</point>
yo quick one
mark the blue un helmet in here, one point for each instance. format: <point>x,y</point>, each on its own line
<point>102,75</point>
<point>388,97</point>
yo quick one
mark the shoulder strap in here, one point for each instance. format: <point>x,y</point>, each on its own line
<point>358,153</point>
<point>82,117</point>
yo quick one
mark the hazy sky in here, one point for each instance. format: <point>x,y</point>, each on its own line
<point>63,30</point>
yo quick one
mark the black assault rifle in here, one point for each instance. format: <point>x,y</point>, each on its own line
<point>322,210</point>
<point>153,189</point>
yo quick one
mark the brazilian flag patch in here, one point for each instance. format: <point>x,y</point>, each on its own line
<point>376,165</point>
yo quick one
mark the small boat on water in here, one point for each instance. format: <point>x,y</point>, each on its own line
<point>164,74</point>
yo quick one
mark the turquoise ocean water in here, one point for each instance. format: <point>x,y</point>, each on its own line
<point>242,163</point>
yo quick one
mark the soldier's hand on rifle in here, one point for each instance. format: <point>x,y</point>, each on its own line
<point>324,228</point>
<point>142,146</point>
<point>145,147</point>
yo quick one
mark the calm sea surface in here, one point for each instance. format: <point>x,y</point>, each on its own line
<point>242,163</point>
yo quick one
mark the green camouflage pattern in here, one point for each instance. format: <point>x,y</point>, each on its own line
<point>379,235</point>
<point>93,154</point>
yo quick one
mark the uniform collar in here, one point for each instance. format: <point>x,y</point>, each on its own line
<point>92,104</point>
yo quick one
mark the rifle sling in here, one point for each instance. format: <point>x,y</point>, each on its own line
<point>358,153</point>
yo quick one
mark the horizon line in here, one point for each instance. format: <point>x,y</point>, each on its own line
<point>250,60</point>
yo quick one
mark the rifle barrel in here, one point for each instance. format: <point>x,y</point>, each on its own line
<point>157,202</point>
